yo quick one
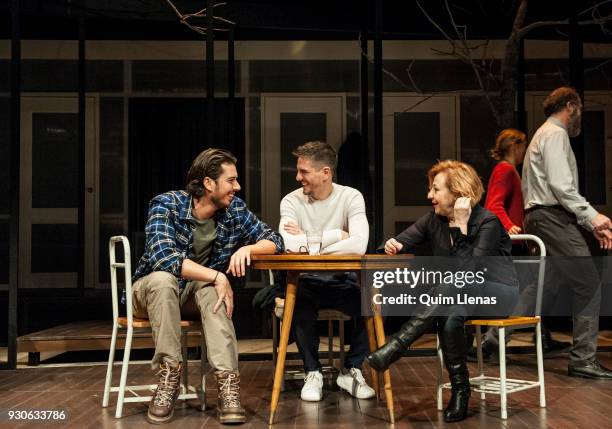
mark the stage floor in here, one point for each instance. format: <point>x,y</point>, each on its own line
<point>77,390</point>
<point>96,335</point>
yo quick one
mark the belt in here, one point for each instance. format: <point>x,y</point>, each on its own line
<point>555,207</point>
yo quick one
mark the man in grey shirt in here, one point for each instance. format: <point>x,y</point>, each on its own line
<point>554,208</point>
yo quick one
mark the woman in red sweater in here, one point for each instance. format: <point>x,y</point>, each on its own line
<point>504,195</point>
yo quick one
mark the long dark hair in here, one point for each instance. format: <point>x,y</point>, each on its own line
<point>207,164</point>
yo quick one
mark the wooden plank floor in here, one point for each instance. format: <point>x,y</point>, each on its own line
<point>87,335</point>
<point>95,335</point>
<point>572,403</point>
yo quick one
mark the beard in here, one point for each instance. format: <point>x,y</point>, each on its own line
<point>220,202</point>
<point>574,125</point>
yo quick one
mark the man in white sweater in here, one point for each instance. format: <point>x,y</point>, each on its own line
<point>338,212</point>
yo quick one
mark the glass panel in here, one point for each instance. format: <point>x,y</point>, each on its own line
<point>254,147</point>
<point>477,141</point>
<point>54,160</point>
<point>593,123</point>
<point>177,76</point>
<point>54,248</point>
<point>4,252</point>
<point>62,75</point>
<point>546,74</point>
<point>597,72</point>
<point>4,154</point>
<point>297,129</point>
<point>427,76</point>
<point>5,75</point>
<point>416,148</point>
<point>111,156</point>
<point>304,76</point>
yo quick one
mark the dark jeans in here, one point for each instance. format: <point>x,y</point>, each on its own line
<point>451,327</point>
<point>313,295</point>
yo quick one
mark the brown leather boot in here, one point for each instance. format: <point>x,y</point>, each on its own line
<point>229,409</point>
<point>161,406</point>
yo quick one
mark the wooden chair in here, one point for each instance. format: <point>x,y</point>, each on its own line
<point>129,323</point>
<point>502,385</point>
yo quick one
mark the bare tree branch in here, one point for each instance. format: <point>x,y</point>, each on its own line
<point>464,53</point>
<point>594,7</point>
<point>387,72</point>
<point>409,73</point>
<point>184,18</point>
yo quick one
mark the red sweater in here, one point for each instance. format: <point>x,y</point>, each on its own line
<point>504,196</point>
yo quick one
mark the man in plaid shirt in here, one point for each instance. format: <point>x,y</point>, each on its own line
<point>193,239</point>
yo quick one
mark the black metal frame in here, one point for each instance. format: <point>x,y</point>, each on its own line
<point>376,144</point>
<point>576,75</point>
<point>364,66</point>
<point>15,184</point>
<point>378,125</point>
<point>210,74</point>
<point>82,88</point>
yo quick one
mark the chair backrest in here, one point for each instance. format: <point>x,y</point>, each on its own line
<point>127,269</point>
<point>541,261</point>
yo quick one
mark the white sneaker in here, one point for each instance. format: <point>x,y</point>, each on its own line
<point>354,383</point>
<point>313,387</point>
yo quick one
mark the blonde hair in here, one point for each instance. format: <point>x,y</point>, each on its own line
<point>505,140</point>
<point>461,179</point>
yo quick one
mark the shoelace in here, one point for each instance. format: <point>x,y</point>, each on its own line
<point>167,387</point>
<point>311,376</point>
<point>230,392</point>
<point>357,376</point>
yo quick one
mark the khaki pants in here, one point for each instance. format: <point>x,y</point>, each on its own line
<point>156,297</point>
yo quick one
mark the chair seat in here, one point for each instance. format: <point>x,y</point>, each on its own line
<point>331,314</point>
<point>144,323</point>
<point>509,321</point>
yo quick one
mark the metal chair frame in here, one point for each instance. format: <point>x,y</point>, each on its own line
<point>129,323</point>
<point>502,385</point>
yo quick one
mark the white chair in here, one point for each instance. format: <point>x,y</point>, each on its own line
<point>502,385</point>
<point>129,323</point>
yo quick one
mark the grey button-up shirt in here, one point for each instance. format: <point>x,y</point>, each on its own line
<point>550,175</point>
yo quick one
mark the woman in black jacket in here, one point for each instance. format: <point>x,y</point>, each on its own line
<point>457,227</point>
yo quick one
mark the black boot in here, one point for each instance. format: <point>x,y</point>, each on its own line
<point>457,408</point>
<point>397,343</point>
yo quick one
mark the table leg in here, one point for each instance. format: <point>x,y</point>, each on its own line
<point>284,339</point>
<point>380,338</point>
<point>373,346</point>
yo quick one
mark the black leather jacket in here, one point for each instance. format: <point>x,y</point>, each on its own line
<point>485,237</point>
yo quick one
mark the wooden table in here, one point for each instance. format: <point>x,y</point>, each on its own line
<point>295,264</point>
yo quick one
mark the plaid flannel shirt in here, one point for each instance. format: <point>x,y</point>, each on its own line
<point>169,233</point>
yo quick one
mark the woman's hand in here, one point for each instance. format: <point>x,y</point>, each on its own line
<point>392,246</point>
<point>514,229</point>
<point>461,213</point>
